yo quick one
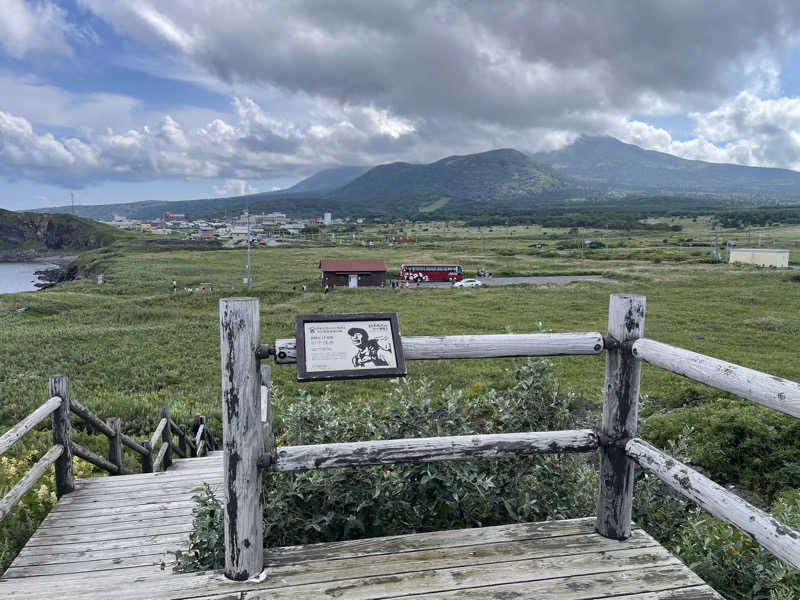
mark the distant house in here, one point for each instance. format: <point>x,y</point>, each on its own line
<point>763,257</point>
<point>239,233</point>
<point>352,272</point>
<point>169,217</point>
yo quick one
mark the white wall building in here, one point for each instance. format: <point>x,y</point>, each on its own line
<point>763,257</point>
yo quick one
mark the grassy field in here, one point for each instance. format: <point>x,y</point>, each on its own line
<point>132,344</point>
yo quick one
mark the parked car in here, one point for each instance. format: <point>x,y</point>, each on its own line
<point>467,283</point>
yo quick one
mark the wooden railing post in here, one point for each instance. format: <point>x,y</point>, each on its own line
<point>182,442</point>
<point>62,434</point>
<point>115,444</point>
<point>620,413</point>
<point>241,437</point>
<point>147,459</point>
<point>203,438</point>
<point>166,438</point>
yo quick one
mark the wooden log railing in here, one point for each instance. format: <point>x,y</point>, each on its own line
<point>249,447</point>
<point>436,449</point>
<point>8,439</point>
<point>770,391</point>
<point>779,539</point>
<point>59,407</point>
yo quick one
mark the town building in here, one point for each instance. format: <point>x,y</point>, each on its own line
<point>169,217</point>
<point>763,257</point>
<point>352,272</point>
<point>274,218</point>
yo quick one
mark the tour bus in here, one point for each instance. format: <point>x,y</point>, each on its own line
<point>431,273</point>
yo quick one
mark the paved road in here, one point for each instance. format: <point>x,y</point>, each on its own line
<point>540,280</point>
<point>549,279</point>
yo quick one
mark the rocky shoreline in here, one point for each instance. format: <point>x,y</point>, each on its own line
<point>47,277</point>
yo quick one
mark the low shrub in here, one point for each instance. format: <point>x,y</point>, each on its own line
<point>24,518</point>
<point>339,504</point>
<point>738,442</point>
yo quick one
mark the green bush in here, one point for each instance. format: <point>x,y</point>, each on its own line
<point>339,504</point>
<point>738,442</point>
<point>732,563</point>
<point>729,561</point>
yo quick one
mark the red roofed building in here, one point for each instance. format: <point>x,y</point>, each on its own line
<point>353,272</point>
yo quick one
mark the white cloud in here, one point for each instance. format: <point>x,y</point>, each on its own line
<point>235,187</point>
<point>246,144</point>
<point>52,106</point>
<point>529,65</point>
<point>38,26</point>
<point>745,129</point>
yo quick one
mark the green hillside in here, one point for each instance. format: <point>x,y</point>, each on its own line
<point>496,178</point>
<point>607,163</point>
<point>41,231</point>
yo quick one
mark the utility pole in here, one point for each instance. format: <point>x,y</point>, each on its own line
<point>72,196</point>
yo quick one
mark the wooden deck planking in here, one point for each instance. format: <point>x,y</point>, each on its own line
<point>128,524</point>
<point>562,560</point>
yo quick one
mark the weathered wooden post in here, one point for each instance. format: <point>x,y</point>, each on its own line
<point>620,413</point>
<point>62,434</point>
<point>115,444</point>
<point>242,437</point>
<point>166,438</point>
<point>182,442</point>
<point>147,459</point>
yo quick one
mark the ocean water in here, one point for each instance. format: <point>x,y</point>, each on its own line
<point>19,277</point>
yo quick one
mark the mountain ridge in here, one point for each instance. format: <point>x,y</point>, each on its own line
<point>500,179</point>
<point>608,162</point>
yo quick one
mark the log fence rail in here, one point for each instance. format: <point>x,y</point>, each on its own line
<point>59,407</point>
<point>249,445</point>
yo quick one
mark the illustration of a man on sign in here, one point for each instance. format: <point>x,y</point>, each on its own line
<point>370,352</point>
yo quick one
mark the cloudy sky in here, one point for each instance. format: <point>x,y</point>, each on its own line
<point>124,100</point>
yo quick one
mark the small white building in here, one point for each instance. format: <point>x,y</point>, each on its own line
<point>763,257</point>
<point>326,218</point>
<point>239,233</point>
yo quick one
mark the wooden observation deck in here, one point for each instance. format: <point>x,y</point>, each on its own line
<point>109,538</point>
<point>112,537</point>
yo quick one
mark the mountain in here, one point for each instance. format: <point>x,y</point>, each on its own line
<point>499,178</point>
<point>495,181</point>
<point>327,180</point>
<point>607,163</point>
<point>37,231</point>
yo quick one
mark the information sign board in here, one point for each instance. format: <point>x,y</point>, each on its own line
<point>348,346</point>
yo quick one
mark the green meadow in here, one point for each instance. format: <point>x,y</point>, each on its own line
<point>132,345</point>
